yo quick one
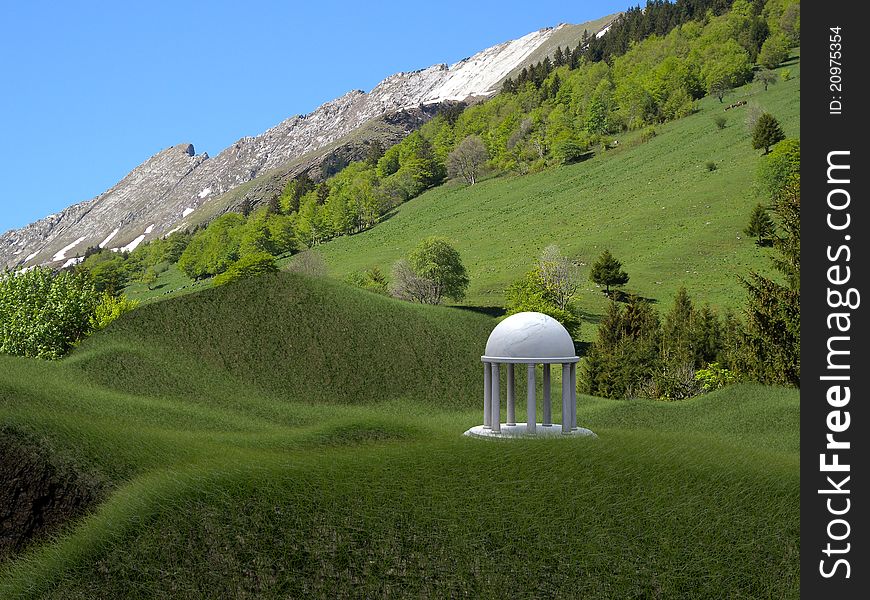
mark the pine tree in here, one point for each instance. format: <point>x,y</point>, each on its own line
<point>245,208</point>
<point>766,132</point>
<point>607,271</point>
<point>558,57</point>
<point>273,207</point>
<point>760,226</point>
<point>773,310</point>
<point>555,85</point>
<point>624,357</point>
<point>678,330</point>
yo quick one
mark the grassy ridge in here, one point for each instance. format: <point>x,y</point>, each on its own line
<point>655,205</point>
<point>237,483</point>
<point>290,437</point>
<point>314,340</point>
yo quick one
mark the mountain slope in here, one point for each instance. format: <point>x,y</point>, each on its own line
<point>159,195</point>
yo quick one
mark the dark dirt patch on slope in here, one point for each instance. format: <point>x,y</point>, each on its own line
<point>40,491</point>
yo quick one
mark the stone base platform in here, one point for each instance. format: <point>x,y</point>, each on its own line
<point>521,430</point>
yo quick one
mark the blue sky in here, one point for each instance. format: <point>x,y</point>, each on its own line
<point>89,90</point>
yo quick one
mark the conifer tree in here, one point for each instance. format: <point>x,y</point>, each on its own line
<point>607,271</point>
<point>766,132</point>
<point>678,330</point>
<point>773,310</point>
<point>760,226</point>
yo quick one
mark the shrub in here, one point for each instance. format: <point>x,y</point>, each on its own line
<point>714,376</point>
<point>250,265</point>
<point>648,134</point>
<point>110,308</point>
<point>43,315</point>
<point>372,280</point>
<point>530,293</point>
<point>720,121</point>
<point>711,166</point>
<point>308,263</point>
<point>777,168</point>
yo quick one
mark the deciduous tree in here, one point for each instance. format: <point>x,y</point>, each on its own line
<point>432,271</point>
<point>468,159</point>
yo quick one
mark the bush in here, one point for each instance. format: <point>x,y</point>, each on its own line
<point>110,308</point>
<point>777,168</point>
<point>251,265</point>
<point>569,151</point>
<point>530,294</point>
<point>372,280</point>
<point>648,134</point>
<point>720,121</point>
<point>43,315</point>
<point>711,166</point>
<point>308,263</point>
<point>714,376</point>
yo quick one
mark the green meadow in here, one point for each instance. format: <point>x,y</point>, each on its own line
<point>297,437</point>
<point>654,204</point>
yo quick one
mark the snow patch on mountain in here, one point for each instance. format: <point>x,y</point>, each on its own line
<point>482,73</point>
<point>73,261</point>
<point>61,254</point>
<point>109,237</point>
<point>131,246</point>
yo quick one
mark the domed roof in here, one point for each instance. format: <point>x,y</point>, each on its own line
<point>530,335</point>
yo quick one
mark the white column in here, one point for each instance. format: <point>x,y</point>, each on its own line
<point>548,413</point>
<point>487,395</point>
<point>495,416</point>
<point>566,398</point>
<point>573,395</point>
<point>511,392</point>
<point>531,412</point>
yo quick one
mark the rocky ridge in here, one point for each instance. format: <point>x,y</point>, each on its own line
<point>163,194</point>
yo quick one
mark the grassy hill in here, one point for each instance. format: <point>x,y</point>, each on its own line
<point>301,438</point>
<point>654,204</point>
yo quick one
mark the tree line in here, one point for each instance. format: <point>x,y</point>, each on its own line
<point>637,353</point>
<point>557,113</point>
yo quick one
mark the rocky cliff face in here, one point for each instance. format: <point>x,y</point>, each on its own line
<point>161,195</point>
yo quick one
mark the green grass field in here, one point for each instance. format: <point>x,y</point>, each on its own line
<point>655,205</point>
<point>295,437</point>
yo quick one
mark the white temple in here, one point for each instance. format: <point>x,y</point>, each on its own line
<point>531,339</point>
